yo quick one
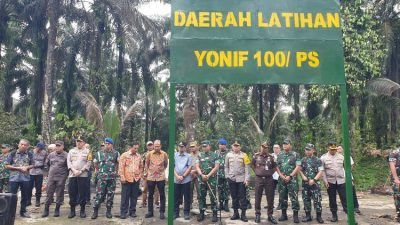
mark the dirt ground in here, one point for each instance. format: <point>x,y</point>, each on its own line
<point>376,210</point>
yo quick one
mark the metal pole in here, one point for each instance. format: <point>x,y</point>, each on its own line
<point>346,146</point>
<point>171,152</point>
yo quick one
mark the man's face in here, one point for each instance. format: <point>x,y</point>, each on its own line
<point>264,149</point>
<point>222,147</point>
<point>236,148</point>
<point>277,149</point>
<point>340,150</point>
<point>80,144</point>
<point>134,149</point>
<point>59,148</point>
<point>5,150</point>
<point>109,146</point>
<point>206,148</point>
<point>51,149</point>
<point>150,147</point>
<point>157,147</point>
<point>309,152</point>
<point>23,145</point>
<point>332,151</point>
<point>182,148</point>
<point>193,149</point>
<point>287,146</point>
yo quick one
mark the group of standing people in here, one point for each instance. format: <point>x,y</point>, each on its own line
<point>216,173</point>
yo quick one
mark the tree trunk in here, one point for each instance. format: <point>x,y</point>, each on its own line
<point>297,130</point>
<point>135,83</point>
<point>260,107</point>
<point>53,7</point>
<point>120,68</point>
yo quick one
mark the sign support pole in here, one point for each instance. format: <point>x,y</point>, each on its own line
<point>171,152</point>
<point>347,163</point>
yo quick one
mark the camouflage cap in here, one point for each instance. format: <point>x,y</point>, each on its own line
<point>309,146</point>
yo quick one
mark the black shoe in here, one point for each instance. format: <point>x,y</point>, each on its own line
<point>214,217</point>
<point>235,215</point>
<point>307,218</point>
<point>82,213</point>
<point>57,210</point>
<point>226,206</point>
<point>108,213</point>
<point>162,216</point>
<point>272,220</point>
<point>72,213</point>
<point>96,213</point>
<point>123,216</point>
<point>201,216</point>
<point>37,202</point>
<point>243,216</point>
<point>319,218</point>
<point>25,215</point>
<point>46,211</point>
<point>334,217</point>
<point>148,215</point>
<point>296,217</point>
<point>132,214</point>
<point>283,216</point>
<point>258,219</point>
<point>249,205</point>
<point>357,210</point>
<point>187,217</point>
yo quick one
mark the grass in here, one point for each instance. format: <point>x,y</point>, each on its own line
<point>371,172</point>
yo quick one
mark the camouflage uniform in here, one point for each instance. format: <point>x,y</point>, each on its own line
<point>310,167</point>
<point>107,174</point>
<point>223,186</point>
<point>207,161</point>
<point>4,174</point>
<point>395,157</point>
<point>287,162</point>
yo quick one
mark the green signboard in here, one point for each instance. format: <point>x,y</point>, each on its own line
<point>230,41</point>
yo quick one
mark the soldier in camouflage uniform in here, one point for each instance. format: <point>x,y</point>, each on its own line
<point>4,173</point>
<point>223,186</point>
<point>311,171</point>
<point>394,163</point>
<point>207,166</point>
<point>288,163</point>
<point>107,162</point>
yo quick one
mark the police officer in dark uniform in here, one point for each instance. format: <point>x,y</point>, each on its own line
<point>264,167</point>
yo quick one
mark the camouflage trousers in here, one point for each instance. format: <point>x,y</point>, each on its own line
<point>248,194</point>
<point>202,190</point>
<point>105,188</point>
<point>223,189</point>
<point>290,189</point>
<point>4,185</point>
<point>396,196</point>
<point>312,193</point>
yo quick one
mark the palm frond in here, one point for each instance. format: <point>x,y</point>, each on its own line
<point>93,111</point>
<point>130,114</point>
<point>382,86</point>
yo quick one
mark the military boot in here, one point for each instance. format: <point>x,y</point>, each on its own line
<point>319,218</point>
<point>95,213</point>
<point>72,213</point>
<point>46,210</point>
<point>307,218</point>
<point>243,216</point>
<point>258,218</point>
<point>214,217</point>
<point>272,219</point>
<point>249,204</point>
<point>235,215</point>
<point>334,216</point>
<point>108,213</point>
<point>82,213</point>
<point>201,216</point>
<point>226,206</point>
<point>37,202</point>
<point>57,210</point>
<point>283,216</point>
<point>296,217</point>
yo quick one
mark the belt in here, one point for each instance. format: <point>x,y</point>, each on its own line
<point>264,177</point>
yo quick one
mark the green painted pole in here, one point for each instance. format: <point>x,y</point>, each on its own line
<point>347,164</point>
<point>171,151</point>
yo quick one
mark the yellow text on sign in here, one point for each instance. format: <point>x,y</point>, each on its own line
<point>221,58</point>
<point>310,58</point>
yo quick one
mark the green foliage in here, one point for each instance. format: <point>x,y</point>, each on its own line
<point>112,125</point>
<point>371,172</point>
<point>12,129</point>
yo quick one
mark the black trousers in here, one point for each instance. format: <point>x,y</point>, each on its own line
<point>78,190</point>
<point>151,185</point>
<point>25,188</point>
<point>341,190</point>
<point>58,187</point>
<point>238,194</point>
<point>355,200</point>
<point>129,196</point>
<point>267,184</point>
<point>182,191</point>
<point>35,182</point>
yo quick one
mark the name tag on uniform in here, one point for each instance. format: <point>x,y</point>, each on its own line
<point>266,167</point>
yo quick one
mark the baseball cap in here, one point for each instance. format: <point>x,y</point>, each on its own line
<point>5,146</point>
<point>309,146</point>
<point>80,138</point>
<point>59,143</point>
<point>332,145</point>
<point>149,143</point>
<point>287,141</point>
<point>40,145</point>
<point>205,143</point>
<point>193,144</point>
<point>236,142</point>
